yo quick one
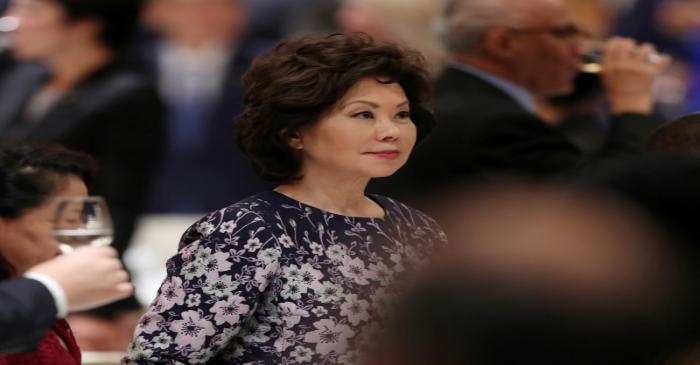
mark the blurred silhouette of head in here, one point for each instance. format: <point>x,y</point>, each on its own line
<point>539,274</point>
<point>197,23</point>
<point>50,26</point>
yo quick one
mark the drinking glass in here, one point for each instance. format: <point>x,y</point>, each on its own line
<point>81,221</point>
<point>592,56</point>
<point>8,25</point>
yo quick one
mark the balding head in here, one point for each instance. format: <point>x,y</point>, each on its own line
<point>531,43</point>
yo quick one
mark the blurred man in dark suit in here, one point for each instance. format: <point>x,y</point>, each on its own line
<point>504,55</point>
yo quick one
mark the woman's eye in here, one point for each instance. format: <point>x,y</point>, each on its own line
<point>403,114</point>
<point>363,115</point>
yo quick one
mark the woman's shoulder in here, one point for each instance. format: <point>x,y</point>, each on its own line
<point>402,211</point>
<point>263,202</point>
<point>417,224</point>
<point>254,212</point>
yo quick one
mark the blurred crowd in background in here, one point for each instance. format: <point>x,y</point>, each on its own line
<point>194,52</point>
<point>163,88</point>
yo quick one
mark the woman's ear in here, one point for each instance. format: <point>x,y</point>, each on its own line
<point>294,140</point>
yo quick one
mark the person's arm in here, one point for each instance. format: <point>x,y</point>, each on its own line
<point>86,278</point>
<point>225,263</point>
<point>27,311</point>
<point>629,74</point>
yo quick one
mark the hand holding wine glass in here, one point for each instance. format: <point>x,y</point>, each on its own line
<point>81,221</point>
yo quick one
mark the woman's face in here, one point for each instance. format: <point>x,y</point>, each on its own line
<point>28,240</point>
<point>367,134</point>
<point>42,30</point>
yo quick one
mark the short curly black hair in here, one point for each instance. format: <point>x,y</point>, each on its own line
<point>292,85</point>
<point>30,173</point>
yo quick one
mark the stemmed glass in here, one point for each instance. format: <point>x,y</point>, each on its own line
<point>8,25</point>
<point>81,221</point>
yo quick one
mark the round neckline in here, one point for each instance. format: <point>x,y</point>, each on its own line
<point>370,196</point>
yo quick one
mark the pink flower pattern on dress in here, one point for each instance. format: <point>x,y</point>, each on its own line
<point>192,330</point>
<point>270,280</point>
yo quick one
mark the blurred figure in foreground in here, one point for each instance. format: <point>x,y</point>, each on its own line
<point>540,274</point>
<point>197,55</point>
<point>665,187</point>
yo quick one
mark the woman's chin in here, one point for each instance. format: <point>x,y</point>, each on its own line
<point>385,173</point>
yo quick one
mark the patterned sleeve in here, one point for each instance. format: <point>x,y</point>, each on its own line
<point>225,263</point>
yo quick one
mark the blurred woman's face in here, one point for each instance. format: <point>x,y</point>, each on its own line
<point>28,239</point>
<point>368,133</point>
<point>42,30</point>
<point>197,23</point>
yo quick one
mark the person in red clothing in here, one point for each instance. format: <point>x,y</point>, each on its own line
<point>35,177</point>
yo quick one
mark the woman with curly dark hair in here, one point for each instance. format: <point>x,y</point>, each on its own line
<point>296,274</point>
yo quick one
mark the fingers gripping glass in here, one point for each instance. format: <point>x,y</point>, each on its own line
<point>592,56</point>
<point>81,221</point>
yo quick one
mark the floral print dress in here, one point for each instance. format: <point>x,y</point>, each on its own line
<point>270,280</point>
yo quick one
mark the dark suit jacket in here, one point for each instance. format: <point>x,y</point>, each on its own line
<point>483,132</point>
<point>216,173</point>
<point>27,311</point>
<point>114,116</point>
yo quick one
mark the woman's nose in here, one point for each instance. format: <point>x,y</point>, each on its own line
<point>387,129</point>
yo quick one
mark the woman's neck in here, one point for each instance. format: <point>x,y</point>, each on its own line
<point>71,66</point>
<point>336,195</point>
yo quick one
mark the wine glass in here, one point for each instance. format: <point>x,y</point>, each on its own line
<point>81,221</point>
<point>8,25</point>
